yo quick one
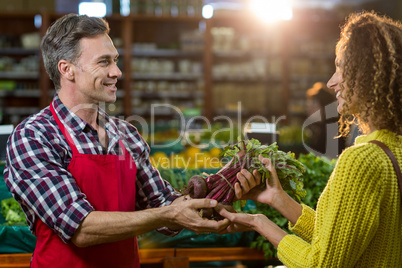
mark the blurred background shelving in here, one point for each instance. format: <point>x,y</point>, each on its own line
<point>219,72</point>
<point>171,55</point>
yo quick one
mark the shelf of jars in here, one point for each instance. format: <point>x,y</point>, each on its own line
<point>167,65</point>
<point>247,67</point>
<point>166,97</point>
<point>13,51</point>
<point>21,93</point>
<point>167,8</point>
<point>143,52</point>
<point>19,67</point>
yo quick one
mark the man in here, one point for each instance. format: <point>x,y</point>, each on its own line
<point>80,174</point>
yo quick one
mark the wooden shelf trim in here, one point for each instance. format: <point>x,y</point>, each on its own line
<point>220,254</point>
<point>156,255</point>
<point>163,255</point>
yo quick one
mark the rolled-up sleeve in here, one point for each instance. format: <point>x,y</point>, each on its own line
<point>36,177</point>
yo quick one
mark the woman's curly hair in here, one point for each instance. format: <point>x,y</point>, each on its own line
<point>370,49</point>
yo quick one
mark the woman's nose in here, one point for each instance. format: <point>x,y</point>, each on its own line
<point>332,81</point>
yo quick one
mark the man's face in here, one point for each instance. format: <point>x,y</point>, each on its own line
<point>96,70</point>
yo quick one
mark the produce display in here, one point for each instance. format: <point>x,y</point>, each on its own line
<point>317,172</point>
<point>190,158</point>
<point>12,212</point>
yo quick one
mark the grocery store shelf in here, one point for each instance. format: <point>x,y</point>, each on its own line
<point>27,93</point>
<point>23,93</point>
<point>227,78</point>
<point>144,18</point>
<point>21,110</point>
<point>174,95</point>
<point>19,51</point>
<point>166,53</point>
<point>173,76</point>
<point>317,56</point>
<point>19,75</point>
<point>310,78</point>
<point>239,54</point>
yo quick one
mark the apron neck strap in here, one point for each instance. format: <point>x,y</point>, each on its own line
<point>64,130</point>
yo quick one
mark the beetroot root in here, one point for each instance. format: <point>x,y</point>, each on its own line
<point>207,213</point>
<point>196,187</point>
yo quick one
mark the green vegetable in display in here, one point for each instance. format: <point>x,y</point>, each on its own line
<point>12,212</point>
<point>244,155</point>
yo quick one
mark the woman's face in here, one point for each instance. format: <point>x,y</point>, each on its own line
<point>335,83</point>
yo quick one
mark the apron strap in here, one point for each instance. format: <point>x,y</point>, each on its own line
<point>393,160</point>
<point>64,131</point>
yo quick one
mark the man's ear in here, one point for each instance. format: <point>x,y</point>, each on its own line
<point>66,69</point>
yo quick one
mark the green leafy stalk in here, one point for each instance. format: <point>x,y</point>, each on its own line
<point>289,170</point>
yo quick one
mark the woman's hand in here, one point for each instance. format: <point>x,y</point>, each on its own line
<point>272,194</point>
<point>246,188</point>
<point>240,222</point>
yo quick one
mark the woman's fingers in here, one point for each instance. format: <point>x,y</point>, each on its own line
<point>257,176</point>
<point>244,178</point>
<point>238,191</point>
<point>246,182</point>
<point>274,181</point>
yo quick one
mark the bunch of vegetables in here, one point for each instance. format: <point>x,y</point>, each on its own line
<point>244,155</point>
<point>12,212</point>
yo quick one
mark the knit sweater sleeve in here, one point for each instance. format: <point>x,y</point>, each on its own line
<point>347,215</point>
<point>304,226</point>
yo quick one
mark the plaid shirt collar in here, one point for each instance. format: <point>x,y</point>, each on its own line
<point>78,125</point>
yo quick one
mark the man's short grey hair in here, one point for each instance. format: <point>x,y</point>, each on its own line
<point>61,41</point>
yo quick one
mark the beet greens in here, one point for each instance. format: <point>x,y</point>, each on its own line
<point>220,186</point>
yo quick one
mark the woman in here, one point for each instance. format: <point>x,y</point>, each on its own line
<point>358,220</point>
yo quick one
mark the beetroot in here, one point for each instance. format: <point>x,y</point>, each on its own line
<point>197,187</point>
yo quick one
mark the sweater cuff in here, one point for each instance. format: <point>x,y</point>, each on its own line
<point>304,226</point>
<point>292,251</point>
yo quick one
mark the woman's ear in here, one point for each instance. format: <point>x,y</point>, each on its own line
<point>66,69</point>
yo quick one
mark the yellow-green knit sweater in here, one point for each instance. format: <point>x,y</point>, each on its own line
<point>358,222</point>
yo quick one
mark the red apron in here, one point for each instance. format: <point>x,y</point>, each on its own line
<point>108,182</point>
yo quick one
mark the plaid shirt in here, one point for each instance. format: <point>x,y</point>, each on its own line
<point>38,156</point>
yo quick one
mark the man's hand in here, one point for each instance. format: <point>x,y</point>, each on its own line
<point>186,215</point>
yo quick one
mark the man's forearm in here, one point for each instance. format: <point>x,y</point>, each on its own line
<point>104,227</point>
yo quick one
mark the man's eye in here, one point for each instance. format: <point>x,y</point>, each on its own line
<point>116,60</point>
<point>104,62</point>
